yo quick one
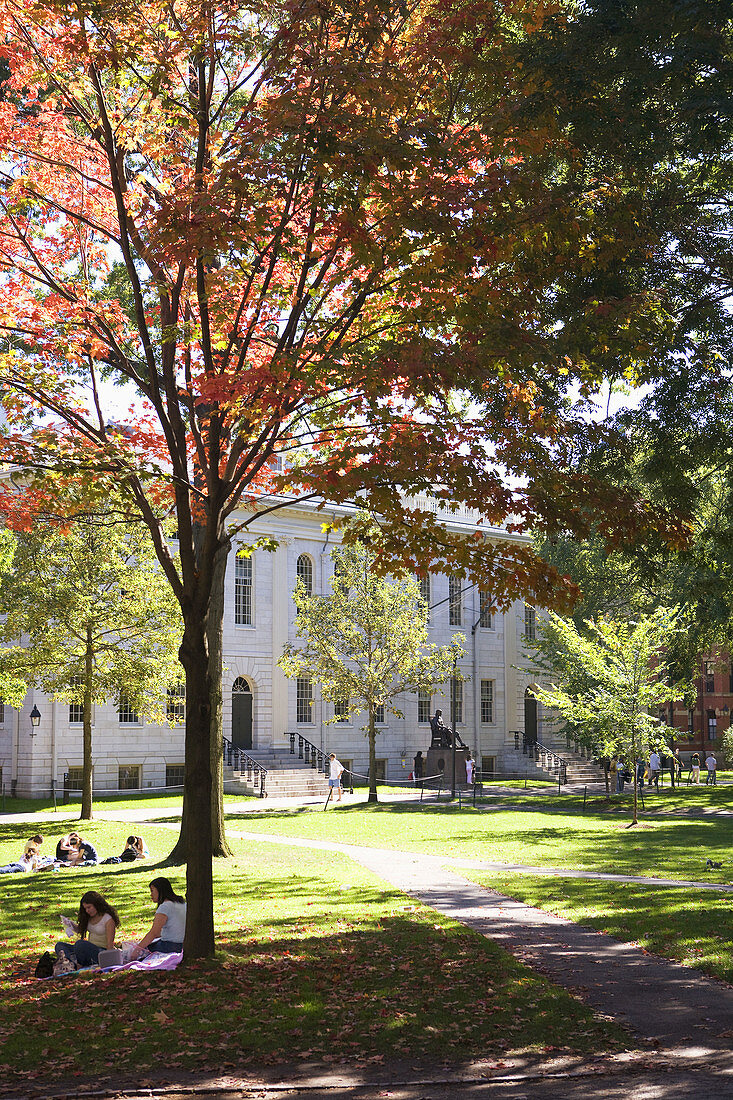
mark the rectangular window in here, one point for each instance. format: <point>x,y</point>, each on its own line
<point>126,715</point>
<point>380,772</point>
<point>487,701</point>
<point>485,618</point>
<point>243,591</point>
<point>709,677</point>
<point>455,602</point>
<point>304,700</point>
<point>424,583</point>
<point>341,710</point>
<point>174,775</point>
<point>2,714</point>
<point>712,726</point>
<point>530,624</point>
<point>76,709</point>
<point>175,707</point>
<point>73,779</point>
<point>456,699</point>
<point>379,714</point>
<point>488,767</point>
<point>423,707</point>
<point>128,778</point>
<point>690,721</point>
<point>730,680</point>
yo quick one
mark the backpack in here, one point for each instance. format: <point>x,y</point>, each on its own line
<point>44,966</point>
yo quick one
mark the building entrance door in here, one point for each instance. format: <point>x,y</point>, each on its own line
<point>530,718</point>
<point>241,714</point>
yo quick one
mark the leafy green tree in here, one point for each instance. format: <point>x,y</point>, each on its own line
<point>366,642</point>
<point>95,619</point>
<point>608,682</point>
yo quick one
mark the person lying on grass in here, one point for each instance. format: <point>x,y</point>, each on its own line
<point>169,923</point>
<point>97,925</point>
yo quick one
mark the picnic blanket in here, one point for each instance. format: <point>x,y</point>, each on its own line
<point>157,960</point>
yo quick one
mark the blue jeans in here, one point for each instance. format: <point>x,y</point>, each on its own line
<point>83,953</point>
<point>11,869</point>
<point>165,947</point>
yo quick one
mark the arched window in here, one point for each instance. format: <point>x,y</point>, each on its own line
<point>304,569</point>
<point>241,686</point>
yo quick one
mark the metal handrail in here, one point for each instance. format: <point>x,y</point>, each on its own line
<point>237,758</point>
<point>308,752</point>
<point>546,757</point>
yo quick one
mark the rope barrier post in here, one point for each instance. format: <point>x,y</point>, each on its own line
<point>558,781</point>
<point>53,795</point>
<point>585,795</point>
<point>330,792</point>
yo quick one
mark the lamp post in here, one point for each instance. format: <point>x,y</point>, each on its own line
<point>35,720</point>
<point>453,723</point>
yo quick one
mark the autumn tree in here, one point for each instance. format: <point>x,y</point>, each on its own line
<point>608,682</point>
<point>90,617</point>
<point>366,642</point>
<point>318,248</point>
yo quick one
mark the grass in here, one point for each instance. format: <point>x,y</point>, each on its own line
<point>666,800</point>
<point>123,801</point>
<point>663,847</point>
<point>686,925</point>
<point>318,960</point>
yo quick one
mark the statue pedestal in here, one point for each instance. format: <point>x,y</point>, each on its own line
<point>440,760</point>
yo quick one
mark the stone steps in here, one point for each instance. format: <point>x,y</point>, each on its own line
<point>287,776</point>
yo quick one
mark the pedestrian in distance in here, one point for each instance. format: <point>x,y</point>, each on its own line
<point>695,767</point>
<point>712,766</point>
<point>470,768</point>
<point>418,768</point>
<point>655,768</point>
<point>335,771</point>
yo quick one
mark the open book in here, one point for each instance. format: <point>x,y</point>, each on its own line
<point>69,926</point>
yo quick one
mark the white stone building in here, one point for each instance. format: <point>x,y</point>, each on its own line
<point>261,706</point>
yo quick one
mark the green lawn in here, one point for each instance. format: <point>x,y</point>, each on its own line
<point>111,802</point>
<point>669,847</point>
<point>318,961</point>
<point>666,800</point>
<point>686,925</point>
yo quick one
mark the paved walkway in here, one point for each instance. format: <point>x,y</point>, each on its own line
<point>663,1002</point>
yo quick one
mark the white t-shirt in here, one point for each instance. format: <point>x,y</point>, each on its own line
<point>97,930</point>
<point>336,768</point>
<point>711,763</point>
<point>175,927</point>
<point>654,762</point>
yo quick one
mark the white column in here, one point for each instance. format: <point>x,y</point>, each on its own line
<point>280,608</point>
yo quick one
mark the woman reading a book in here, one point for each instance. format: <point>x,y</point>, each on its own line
<point>96,925</point>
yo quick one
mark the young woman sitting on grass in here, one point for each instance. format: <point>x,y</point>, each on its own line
<point>97,925</point>
<point>169,923</point>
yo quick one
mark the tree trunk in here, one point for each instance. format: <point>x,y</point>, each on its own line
<point>372,758</point>
<point>214,641</point>
<point>86,783</point>
<point>199,938</point>
<point>214,635</point>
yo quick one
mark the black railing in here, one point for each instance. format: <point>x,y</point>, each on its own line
<point>307,751</point>
<point>548,759</point>
<point>238,759</point>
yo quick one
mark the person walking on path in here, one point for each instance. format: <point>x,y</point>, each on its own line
<point>470,766</point>
<point>335,771</point>
<point>418,765</point>
<point>711,764</point>
<point>655,767</point>
<point>695,767</point>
